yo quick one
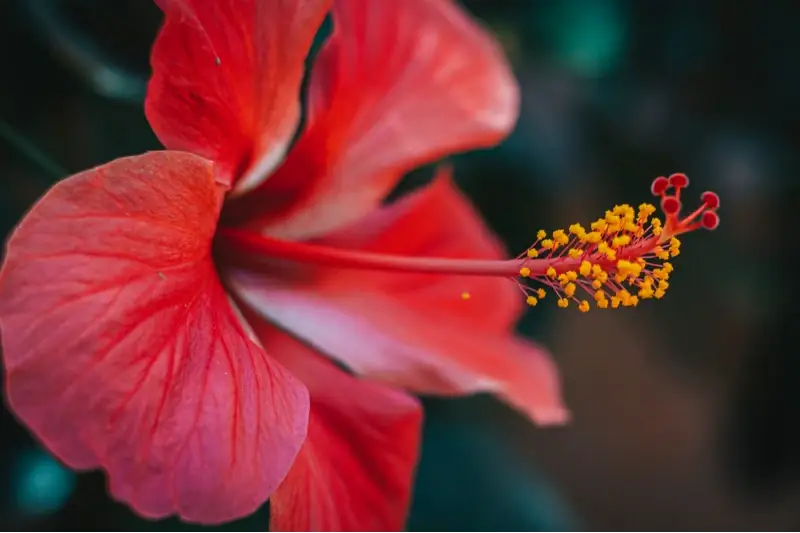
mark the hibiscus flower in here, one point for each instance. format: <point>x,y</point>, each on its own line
<point>214,325</point>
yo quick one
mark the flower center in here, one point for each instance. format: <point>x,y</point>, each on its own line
<point>621,259</point>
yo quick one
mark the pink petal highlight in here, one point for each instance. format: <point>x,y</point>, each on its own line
<point>355,471</point>
<point>123,352</point>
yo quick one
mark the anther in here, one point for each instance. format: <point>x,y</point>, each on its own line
<point>623,260</point>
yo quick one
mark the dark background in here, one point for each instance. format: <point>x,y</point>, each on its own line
<point>685,410</point>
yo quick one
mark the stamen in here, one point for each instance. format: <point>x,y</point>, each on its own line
<point>620,260</point>
<point>624,259</point>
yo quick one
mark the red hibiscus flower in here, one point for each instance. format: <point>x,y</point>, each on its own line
<point>170,317</point>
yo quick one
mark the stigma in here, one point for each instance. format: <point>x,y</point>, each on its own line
<point>621,258</point>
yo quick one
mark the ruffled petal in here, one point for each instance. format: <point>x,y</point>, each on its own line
<point>414,331</point>
<point>122,350</point>
<point>356,468</point>
<point>226,80</point>
<point>398,84</point>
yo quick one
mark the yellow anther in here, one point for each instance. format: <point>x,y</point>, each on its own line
<point>563,302</point>
<point>615,301</point>
<point>530,300</point>
<point>599,225</point>
<point>596,284</point>
<point>631,227</point>
<point>602,304</point>
<point>569,289</point>
<point>592,237</point>
<point>674,243</point>
<point>563,279</point>
<point>548,244</point>
<point>612,219</point>
<point>575,253</point>
<point>619,242</point>
<point>624,295</point>
<point>645,210</point>
<point>599,295</point>
<point>571,275</point>
<point>585,268</point>
<point>663,285</point>
<point>465,295</point>
<point>577,230</point>
<point>540,293</point>
<point>560,237</point>
<point>626,268</point>
<point>661,253</point>
<point>541,234</point>
<point>583,306</point>
<point>602,277</point>
<point>532,253</point>
<point>596,270</point>
<point>524,272</point>
<point>551,273</point>
<point>667,267</point>
<point>660,293</point>
<point>645,293</point>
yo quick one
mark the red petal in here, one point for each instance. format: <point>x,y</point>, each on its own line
<point>122,350</point>
<point>436,221</point>
<point>398,84</point>
<point>356,468</point>
<point>226,80</point>
<point>413,330</point>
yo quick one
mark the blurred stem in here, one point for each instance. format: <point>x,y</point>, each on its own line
<point>30,151</point>
<point>82,55</point>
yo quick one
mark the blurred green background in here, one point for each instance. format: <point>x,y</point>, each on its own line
<point>685,411</point>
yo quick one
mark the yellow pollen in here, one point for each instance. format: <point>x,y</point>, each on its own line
<point>619,260</point>
<point>577,230</point>
<point>622,240</point>
<point>570,289</point>
<point>465,295</point>
<point>560,237</point>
